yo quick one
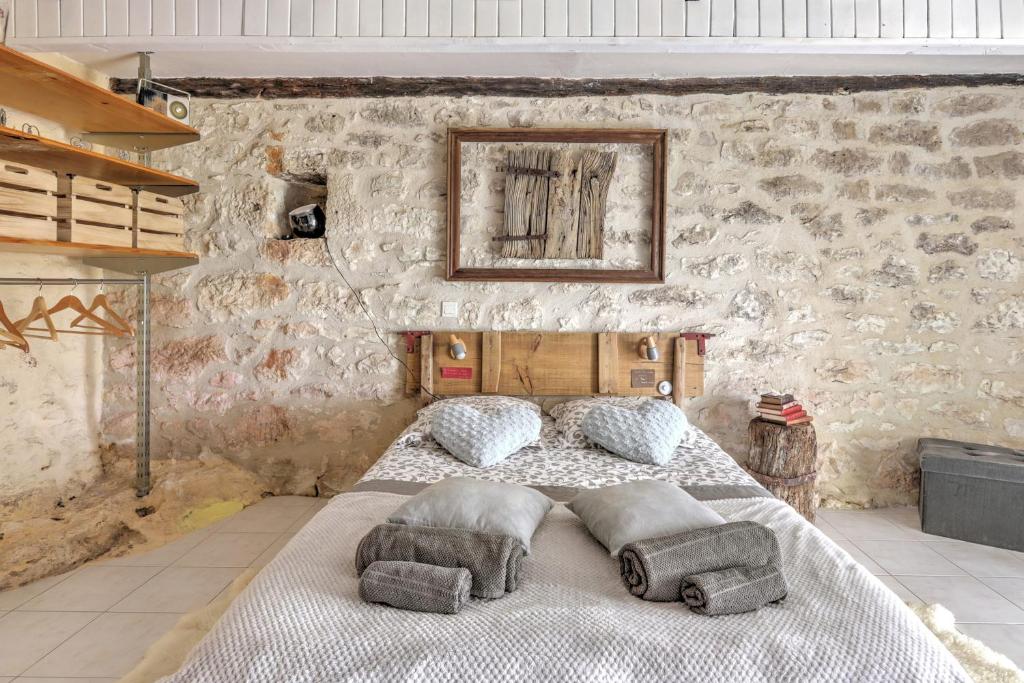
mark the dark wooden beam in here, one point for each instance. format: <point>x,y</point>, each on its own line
<point>287,88</point>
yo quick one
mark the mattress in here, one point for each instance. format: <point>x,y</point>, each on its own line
<point>698,461</point>
<point>571,619</point>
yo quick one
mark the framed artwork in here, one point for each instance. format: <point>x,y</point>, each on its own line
<point>557,204</point>
<point>5,15</point>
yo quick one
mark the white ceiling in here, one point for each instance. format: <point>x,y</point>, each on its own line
<point>178,56</point>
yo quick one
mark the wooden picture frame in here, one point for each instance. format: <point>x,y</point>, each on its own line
<point>656,138</point>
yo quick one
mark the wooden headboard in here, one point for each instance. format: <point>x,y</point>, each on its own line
<point>555,364</point>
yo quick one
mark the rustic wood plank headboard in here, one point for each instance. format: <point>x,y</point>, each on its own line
<point>555,364</point>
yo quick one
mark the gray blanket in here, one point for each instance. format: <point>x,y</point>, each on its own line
<point>654,569</point>
<point>493,560</point>
<point>733,591</point>
<point>415,586</point>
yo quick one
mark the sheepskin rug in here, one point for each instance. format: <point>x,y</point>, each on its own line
<point>166,655</point>
<point>982,663</point>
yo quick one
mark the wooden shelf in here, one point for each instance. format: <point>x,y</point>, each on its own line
<point>63,158</point>
<point>123,259</point>
<point>45,91</point>
<point>39,89</point>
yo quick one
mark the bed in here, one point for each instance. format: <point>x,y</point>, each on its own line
<point>549,463</point>
<point>301,618</point>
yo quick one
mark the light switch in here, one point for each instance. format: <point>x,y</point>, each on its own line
<point>449,309</point>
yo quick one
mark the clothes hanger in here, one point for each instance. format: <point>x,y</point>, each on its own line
<point>9,334</point>
<point>38,312</point>
<point>102,303</point>
<point>75,304</point>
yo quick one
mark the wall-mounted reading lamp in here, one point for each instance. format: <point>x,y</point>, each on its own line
<point>456,348</point>
<point>648,348</point>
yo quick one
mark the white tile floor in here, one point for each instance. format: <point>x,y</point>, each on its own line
<point>95,623</point>
<point>982,586</point>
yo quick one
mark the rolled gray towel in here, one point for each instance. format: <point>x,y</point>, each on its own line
<point>733,591</point>
<point>494,560</point>
<point>653,569</point>
<point>415,586</point>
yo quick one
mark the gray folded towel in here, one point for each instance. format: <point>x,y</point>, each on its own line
<point>494,560</point>
<point>733,591</point>
<point>653,569</point>
<point>415,586</point>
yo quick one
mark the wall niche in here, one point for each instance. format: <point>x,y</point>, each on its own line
<point>291,189</point>
<point>298,189</point>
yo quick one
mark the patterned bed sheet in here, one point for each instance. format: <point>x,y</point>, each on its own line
<point>416,457</point>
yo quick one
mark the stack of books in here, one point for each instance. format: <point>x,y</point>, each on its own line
<point>782,409</point>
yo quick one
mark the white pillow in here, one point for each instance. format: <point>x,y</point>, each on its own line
<point>491,507</point>
<point>488,405</point>
<point>638,510</point>
<point>481,439</point>
<point>648,434</point>
<point>569,416</point>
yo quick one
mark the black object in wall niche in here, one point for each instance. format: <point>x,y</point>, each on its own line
<point>302,201</point>
<point>308,221</point>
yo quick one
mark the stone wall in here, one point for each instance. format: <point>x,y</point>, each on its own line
<point>859,250</point>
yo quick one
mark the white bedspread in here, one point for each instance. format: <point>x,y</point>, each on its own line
<point>414,456</point>
<point>572,619</point>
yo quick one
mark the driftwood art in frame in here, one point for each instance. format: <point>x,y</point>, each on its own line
<point>537,207</point>
<point>555,203</point>
<point>555,364</point>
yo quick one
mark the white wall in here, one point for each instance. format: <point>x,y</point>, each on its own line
<point>51,397</point>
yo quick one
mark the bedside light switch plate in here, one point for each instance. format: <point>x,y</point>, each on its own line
<point>449,309</point>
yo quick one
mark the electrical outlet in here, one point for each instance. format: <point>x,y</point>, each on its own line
<point>449,309</point>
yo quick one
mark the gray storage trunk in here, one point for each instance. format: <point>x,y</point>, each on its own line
<point>972,492</point>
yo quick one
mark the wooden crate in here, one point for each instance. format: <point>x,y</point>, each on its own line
<point>95,212</point>
<point>28,202</point>
<point>161,222</point>
<point>104,213</point>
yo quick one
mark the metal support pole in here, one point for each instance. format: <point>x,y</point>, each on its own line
<point>142,349</point>
<point>145,74</point>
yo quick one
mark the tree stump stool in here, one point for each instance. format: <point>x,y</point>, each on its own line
<point>784,460</point>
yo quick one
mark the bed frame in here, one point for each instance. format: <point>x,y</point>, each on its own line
<point>555,364</point>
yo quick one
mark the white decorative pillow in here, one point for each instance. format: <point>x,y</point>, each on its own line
<point>491,507</point>
<point>623,513</point>
<point>481,439</point>
<point>485,404</point>
<point>569,416</point>
<point>648,434</point>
